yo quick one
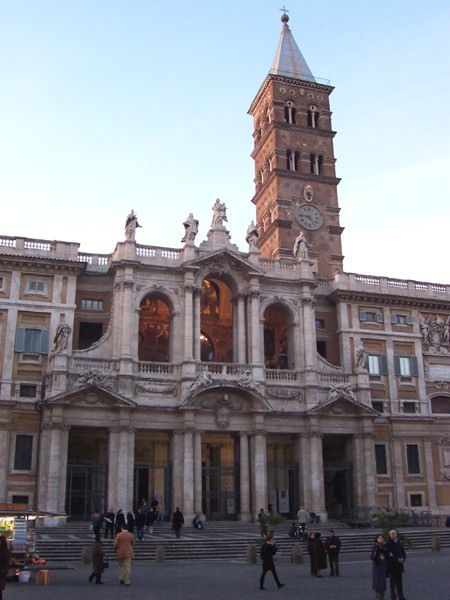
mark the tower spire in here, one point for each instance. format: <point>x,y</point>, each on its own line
<point>289,61</point>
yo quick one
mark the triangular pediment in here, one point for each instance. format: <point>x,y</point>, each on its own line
<point>223,260</point>
<point>93,395</point>
<point>343,407</point>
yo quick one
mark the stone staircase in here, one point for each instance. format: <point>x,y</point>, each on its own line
<point>220,540</point>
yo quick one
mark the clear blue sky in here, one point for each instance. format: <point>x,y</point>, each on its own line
<point>109,105</point>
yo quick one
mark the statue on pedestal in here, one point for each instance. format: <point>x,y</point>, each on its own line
<point>219,214</point>
<point>300,247</point>
<point>191,229</point>
<point>61,338</point>
<point>131,224</point>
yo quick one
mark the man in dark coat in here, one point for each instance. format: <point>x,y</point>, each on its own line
<point>395,568</point>
<point>333,547</point>
<point>177,522</point>
<point>140,524</point>
<point>320,555</point>
<point>109,523</point>
<point>97,560</point>
<point>268,551</point>
<point>120,520</point>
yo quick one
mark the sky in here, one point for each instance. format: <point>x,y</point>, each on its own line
<point>113,105</point>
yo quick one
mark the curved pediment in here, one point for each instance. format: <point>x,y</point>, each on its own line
<point>89,395</point>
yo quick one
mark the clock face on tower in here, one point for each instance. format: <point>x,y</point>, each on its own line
<point>309,217</point>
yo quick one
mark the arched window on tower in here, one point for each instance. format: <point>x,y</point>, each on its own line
<point>289,112</point>
<point>313,117</point>
<point>316,164</point>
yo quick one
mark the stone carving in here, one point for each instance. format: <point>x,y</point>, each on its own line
<point>246,381</point>
<point>219,214</point>
<point>252,235</point>
<point>435,333</point>
<point>223,409</point>
<point>61,338</point>
<point>300,247</point>
<point>444,441</point>
<point>191,229</point>
<point>156,388</point>
<point>93,377</point>
<point>131,224</point>
<point>361,358</point>
<point>445,475</point>
<point>308,193</point>
<point>283,394</point>
<point>341,390</point>
<point>204,379</point>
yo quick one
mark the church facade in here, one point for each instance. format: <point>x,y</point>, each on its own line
<point>221,380</point>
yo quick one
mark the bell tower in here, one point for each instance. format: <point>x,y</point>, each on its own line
<point>295,179</point>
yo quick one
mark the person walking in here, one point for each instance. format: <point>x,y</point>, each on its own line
<point>302,518</point>
<point>140,524</point>
<point>130,521</point>
<point>395,565</point>
<point>120,520</point>
<point>123,546</point>
<point>333,547</point>
<point>262,520</point>
<point>320,555</point>
<point>268,551</point>
<point>97,560</point>
<point>177,522</point>
<point>97,522</point>
<point>378,556</point>
<point>4,563</point>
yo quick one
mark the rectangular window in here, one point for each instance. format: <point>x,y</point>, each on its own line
<point>91,304</point>
<point>409,407</point>
<point>415,500</point>
<point>27,390</point>
<point>405,366</point>
<point>19,499</point>
<point>401,319</point>
<point>31,340</point>
<point>381,459</point>
<point>35,286</point>
<point>23,453</point>
<point>320,324</point>
<point>1,283</point>
<point>412,458</point>
<point>377,364</point>
<point>378,405</point>
<point>371,317</point>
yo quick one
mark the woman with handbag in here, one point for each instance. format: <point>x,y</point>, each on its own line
<point>98,564</point>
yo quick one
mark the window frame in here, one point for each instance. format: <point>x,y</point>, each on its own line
<point>32,462</point>
<point>411,460</point>
<point>380,473</point>
<point>29,282</point>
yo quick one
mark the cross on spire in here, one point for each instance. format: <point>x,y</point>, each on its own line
<point>284,9</point>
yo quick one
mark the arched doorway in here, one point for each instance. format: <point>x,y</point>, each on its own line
<point>154,329</point>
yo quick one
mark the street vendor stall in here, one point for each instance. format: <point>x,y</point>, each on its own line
<point>17,525</point>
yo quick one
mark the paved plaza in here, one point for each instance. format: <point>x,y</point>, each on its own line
<point>427,577</point>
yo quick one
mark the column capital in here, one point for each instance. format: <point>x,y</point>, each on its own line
<point>51,425</point>
<point>122,429</point>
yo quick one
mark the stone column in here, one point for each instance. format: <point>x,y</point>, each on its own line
<point>397,475</point>
<point>121,466</point>
<point>242,328</point>
<point>188,474</point>
<point>358,470</point>
<point>370,487</point>
<point>198,473</point>
<point>316,466</point>
<point>176,454</point>
<point>188,321</point>
<point>429,473</point>
<point>197,324</point>
<point>260,471</point>
<point>56,477</point>
<point>126,318</point>
<point>244,474</point>
<point>256,352</point>
<point>309,330</point>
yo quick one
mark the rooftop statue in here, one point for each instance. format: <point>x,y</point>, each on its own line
<point>219,214</point>
<point>131,225</point>
<point>252,235</point>
<point>191,229</point>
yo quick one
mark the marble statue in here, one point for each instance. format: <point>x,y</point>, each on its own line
<point>300,247</point>
<point>219,214</point>
<point>191,229</point>
<point>131,225</point>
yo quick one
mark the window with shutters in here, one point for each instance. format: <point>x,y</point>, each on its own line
<point>367,316</point>
<point>91,304</point>
<point>31,340</point>
<point>377,364</point>
<point>401,319</point>
<point>405,366</point>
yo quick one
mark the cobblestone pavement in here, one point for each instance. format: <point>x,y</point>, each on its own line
<point>427,577</point>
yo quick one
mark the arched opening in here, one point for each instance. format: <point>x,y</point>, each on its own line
<point>440,405</point>
<point>277,351</point>
<point>154,329</point>
<point>216,321</point>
